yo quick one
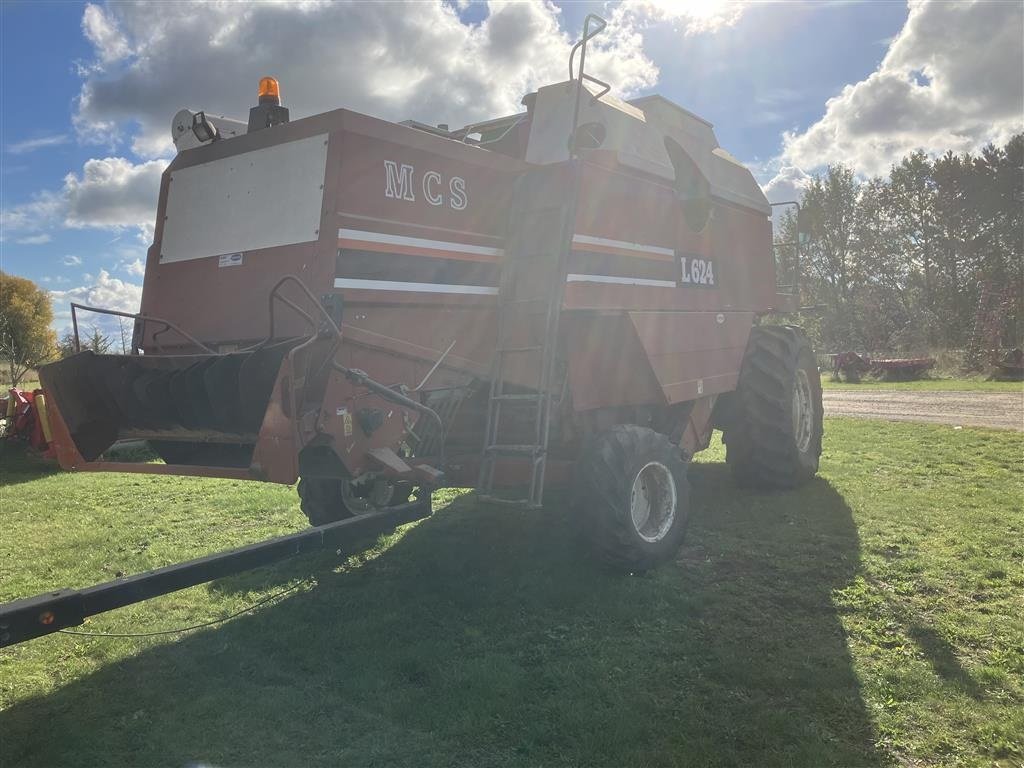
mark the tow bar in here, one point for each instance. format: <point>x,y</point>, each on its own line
<point>50,612</point>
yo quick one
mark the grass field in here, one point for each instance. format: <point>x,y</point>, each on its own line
<point>976,384</point>
<point>872,618</point>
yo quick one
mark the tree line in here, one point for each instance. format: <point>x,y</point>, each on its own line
<point>927,257</point>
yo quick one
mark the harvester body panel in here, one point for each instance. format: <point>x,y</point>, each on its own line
<point>407,232</point>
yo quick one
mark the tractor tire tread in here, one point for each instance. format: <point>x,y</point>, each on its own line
<point>321,502</point>
<point>760,447</point>
<point>604,478</point>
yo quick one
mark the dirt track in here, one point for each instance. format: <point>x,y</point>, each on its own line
<point>1002,410</point>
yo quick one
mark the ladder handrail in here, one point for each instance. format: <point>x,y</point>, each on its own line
<point>582,46</point>
<point>795,245</point>
<point>582,42</point>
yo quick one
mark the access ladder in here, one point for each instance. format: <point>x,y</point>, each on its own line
<point>541,222</point>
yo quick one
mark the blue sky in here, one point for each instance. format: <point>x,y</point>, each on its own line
<point>86,91</point>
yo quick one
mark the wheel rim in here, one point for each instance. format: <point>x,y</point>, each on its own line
<point>803,411</point>
<point>652,501</point>
<point>378,498</point>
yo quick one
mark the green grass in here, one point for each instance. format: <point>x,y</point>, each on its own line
<point>873,617</point>
<point>26,385</point>
<point>966,384</point>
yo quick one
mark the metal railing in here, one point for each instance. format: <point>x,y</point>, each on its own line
<point>588,34</point>
<point>137,332</point>
<point>792,288</point>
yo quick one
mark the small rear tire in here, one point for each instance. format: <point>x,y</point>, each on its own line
<point>321,501</point>
<point>773,439</point>
<point>633,497</point>
<point>327,500</point>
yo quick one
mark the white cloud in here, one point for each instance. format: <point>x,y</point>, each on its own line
<point>394,61</point>
<point>113,192</point>
<point>110,193</point>
<point>31,145</point>
<point>72,261</point>
<point>105,37</point>
<point>105,291</point>
<point>787,185</point>
<point>44,209</point>
<point>694,16</point>
<point>953,78</point>
<point>34,239</point>
<point>136,267</point>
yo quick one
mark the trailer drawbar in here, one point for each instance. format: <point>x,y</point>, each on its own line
<point>50,612</point>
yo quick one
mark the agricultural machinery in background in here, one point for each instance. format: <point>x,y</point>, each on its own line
<point>852,366</point>
<point>568,296</point>
<point>23,419</point>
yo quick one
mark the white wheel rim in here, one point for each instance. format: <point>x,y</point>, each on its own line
<point>803,411</point>
<point>378,498</point>
<point>652,501</point>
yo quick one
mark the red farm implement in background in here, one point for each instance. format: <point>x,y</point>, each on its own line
<point>566,296</point>
<point>24,415</point>
<point>852,366</point>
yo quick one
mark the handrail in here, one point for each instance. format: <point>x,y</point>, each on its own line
<point>582,46</point>
<point>168,325</point>
<point>582,42</point>
<point>795,285</point>
<point>296,308</point>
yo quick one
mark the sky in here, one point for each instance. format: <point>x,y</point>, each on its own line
<point>88,90</point>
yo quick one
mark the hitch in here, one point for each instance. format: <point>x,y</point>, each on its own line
<point>50,612</point>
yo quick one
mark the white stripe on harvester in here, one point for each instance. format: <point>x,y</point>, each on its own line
<point>622,245</point>
<point>390,285</point>
<point>418,242</point>
<point>619,280</point>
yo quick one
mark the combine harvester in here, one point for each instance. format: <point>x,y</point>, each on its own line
<point>570,295</point>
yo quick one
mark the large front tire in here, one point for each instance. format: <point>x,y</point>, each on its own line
<point>633,497</point>
<point>773,439</point>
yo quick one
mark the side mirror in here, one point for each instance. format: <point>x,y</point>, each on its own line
<point>803,228</point>
<point>589,136</point>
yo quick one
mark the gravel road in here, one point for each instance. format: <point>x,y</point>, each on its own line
<point>1002,410</point>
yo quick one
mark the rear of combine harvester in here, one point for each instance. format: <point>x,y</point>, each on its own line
<point>379,309</point>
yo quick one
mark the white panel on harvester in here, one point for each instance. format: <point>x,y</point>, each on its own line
<point>259,199</point>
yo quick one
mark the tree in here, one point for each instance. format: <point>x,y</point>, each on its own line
<point>26,340</point>
<point>930,254</point>
<point>829,257</point>
<point>66,344</point>
<point>97,341</point>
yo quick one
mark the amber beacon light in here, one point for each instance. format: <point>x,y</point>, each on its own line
<point>269,91</point>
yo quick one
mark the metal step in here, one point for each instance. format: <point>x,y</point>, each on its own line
<point>534,396</point>
<point>489,499</point>
<point>534,348</point>
<point>523,450</point>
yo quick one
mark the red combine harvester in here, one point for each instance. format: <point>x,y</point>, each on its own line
<point>570,295</point>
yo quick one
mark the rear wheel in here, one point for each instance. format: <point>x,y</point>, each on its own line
<point>774,437</point>
<point>327,500</point>
<point>633,497</point>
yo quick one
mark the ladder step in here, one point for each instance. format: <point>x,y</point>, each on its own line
<point>534,348</point>
<point>528,503</point>
<point>529,450</point>
<point>535,396</point>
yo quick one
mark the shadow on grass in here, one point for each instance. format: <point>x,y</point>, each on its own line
<point>943,659</point>
<point>485,637</point>
<point>18,465</point>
